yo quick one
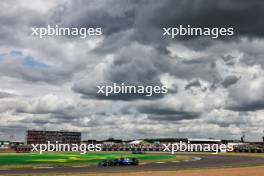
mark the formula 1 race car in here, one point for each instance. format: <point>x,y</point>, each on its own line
<point>119,162</point>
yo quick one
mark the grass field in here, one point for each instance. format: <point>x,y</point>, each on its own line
<point>28,160</point>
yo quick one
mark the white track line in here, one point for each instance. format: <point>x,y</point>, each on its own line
<point>80,166</point>
<point>42,167</point>
<point>142,163</point>
<point>196,158</point>
<point>160,162</point>
<point>175,161</point>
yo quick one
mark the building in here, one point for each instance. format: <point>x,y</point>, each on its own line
<point>42,137</point>
<point>15,144</point>
<point>4,145</point>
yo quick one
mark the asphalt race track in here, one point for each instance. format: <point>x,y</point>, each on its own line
<point>206,161</point>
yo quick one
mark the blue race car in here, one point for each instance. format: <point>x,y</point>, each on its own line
<point>119,162</point>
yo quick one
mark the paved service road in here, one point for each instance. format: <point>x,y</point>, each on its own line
<point>206,161</point>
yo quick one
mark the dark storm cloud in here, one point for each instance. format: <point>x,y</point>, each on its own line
<point>249,106</point>
<point>132,65</point>
<point>244,16</point>
<point>146,23</point>
<point>229,60</point>
<point>146,19</point>
<point>155,112</point>
<point>230,80</point>
<point>137,66</point>
<point>195,83</point>
<point>50,119</point>
<point>113,16</point>
<point>177,116</point>
<point>196,68</point>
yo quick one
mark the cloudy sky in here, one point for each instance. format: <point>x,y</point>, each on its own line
<point>216,85</point>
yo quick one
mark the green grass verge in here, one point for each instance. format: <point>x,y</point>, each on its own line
<point>28,160</point>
